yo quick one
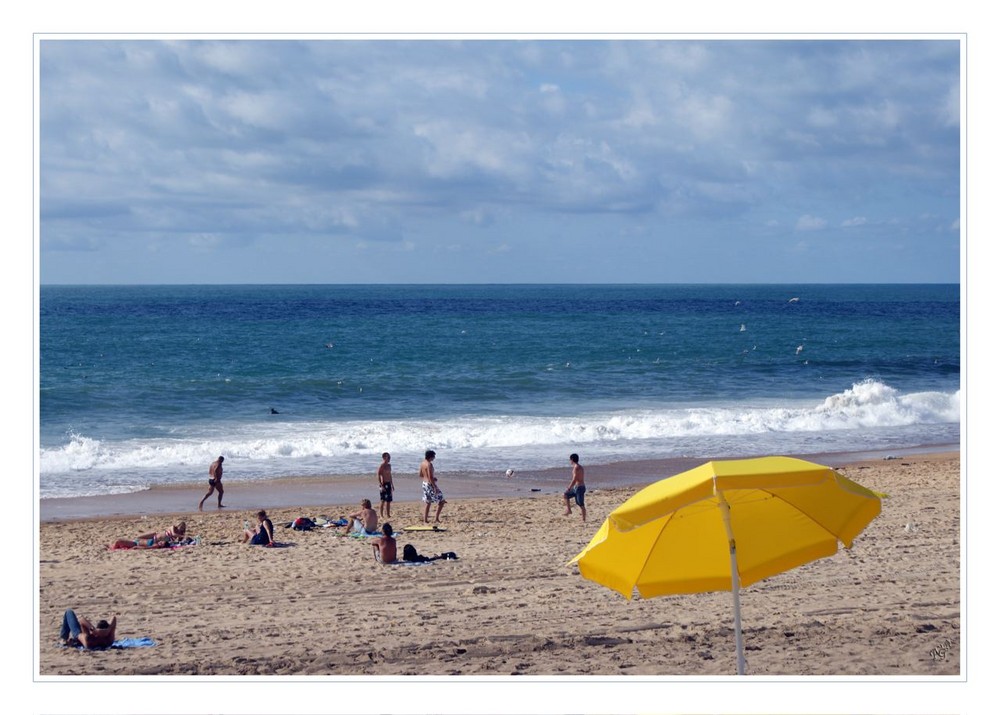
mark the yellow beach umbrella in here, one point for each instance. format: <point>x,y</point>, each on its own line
<point>725,525</point>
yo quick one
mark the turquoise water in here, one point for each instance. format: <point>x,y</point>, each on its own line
<point>143,385</point>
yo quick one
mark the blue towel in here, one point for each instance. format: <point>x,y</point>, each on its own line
<point>134,643</point>
<point>365,534</point>
<point>120,644</point>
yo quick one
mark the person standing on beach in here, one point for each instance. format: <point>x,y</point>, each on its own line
<point>214,481</point>
<point>576,488</point>
<point>432,493</point>
<point>385,487</point>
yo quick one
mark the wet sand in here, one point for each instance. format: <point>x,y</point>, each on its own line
<point>299,491</point>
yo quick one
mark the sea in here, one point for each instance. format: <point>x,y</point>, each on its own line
<point>143,386</point>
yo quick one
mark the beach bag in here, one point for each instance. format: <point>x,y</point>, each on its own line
<point>303,524</point>
<point>410,554</point>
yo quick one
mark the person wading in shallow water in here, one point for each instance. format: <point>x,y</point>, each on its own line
<point>214,481</point>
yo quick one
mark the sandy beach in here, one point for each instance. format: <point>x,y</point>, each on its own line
<point>510,605</point>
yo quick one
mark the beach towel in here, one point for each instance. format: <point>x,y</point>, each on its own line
<point>134,643</point>
<point>369,535</point>
<point>178,545</point>
<point>130,547</point>
<point>187,542</point>
<point>404,563</point>
<point>364,534</point>
<point>119,644</point>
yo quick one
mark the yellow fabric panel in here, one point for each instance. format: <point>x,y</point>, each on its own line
<point>670,537</point>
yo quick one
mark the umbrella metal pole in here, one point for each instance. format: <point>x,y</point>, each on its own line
<point>737,623</point>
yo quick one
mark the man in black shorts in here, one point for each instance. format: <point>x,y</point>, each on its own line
<point>214,481</point>
<point>385,487</point>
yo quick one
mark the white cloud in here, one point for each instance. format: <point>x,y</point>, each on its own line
<point>380,139</point>
<point>810,223</point>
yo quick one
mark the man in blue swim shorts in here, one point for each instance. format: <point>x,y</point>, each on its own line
<point>577,489</point>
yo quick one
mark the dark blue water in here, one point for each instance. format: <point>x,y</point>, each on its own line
<point>143,385</point>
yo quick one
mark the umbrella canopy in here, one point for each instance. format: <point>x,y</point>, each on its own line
<point>725,525</point>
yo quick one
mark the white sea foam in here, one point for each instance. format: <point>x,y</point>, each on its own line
<point>847,420</point>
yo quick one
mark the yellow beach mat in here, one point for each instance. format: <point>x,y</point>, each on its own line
<point>423,527</point>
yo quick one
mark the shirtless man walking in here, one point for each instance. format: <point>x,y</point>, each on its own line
<point>214,481</point>
<point>432,493</point>
<point>385,487</point>
<point>576,488</point>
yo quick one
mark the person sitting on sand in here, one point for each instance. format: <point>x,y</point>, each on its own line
<point>384,547</point>
<point>79,631</point>
<point>263,535</point>
<point>364,521</point>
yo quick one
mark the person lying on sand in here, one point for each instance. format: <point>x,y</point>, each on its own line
<point>384,547</point>
<point>79,631</point>
<point>365,520</point>
<point>154,540</point>
<point>174,533</point>
<point>263,535</point>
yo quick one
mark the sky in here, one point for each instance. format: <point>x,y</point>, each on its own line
<point>507,160</point>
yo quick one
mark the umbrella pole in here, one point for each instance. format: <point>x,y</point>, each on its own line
<point>737,623</point>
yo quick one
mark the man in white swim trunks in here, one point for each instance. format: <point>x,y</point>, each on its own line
<point>432,493</point>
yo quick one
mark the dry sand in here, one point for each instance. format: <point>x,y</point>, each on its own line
<point>510,605</point>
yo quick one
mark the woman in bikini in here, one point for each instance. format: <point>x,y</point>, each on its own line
<point>137,544</point>
<point>153,540</point>
<point>174,533</point>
